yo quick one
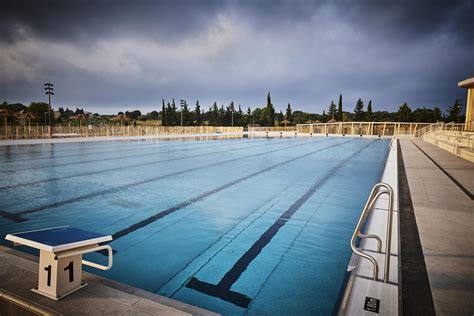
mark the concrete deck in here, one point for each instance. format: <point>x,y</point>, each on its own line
<point>19,273</point>
<point>441,188</point>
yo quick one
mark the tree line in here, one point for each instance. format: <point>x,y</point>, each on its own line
<point>182,113</point>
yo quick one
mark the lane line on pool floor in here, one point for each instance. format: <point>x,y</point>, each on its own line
<point>204,195</point>
<point>222,289</point>
<point>120,149</point>
<point>279,195</point>
<point>89,145</point>
<point>18,216</point>
<point>136,165</point>
<point>155,152</point>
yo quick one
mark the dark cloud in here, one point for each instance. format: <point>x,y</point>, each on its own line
<point>111,55</point>
<point>90,19</point>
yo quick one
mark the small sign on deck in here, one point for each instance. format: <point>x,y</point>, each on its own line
<point>372,304</point>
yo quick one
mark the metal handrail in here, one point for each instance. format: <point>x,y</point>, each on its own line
<point>423,130</point>
<point>88,263</point>
<point>458,139</point>
<point>378,190</point>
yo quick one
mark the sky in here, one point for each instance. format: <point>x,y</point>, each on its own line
<point>109,56</point>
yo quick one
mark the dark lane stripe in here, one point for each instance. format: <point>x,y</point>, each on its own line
<point>222,289</point>
<point>18,218</point>
<point>109,159</point>
<point>275,198</point>
<point>82,145</point>
<point>456,182</point>
<point>136,165</point>
<point>414,289</point>
<point>179,206</point>
<point>113,151</point>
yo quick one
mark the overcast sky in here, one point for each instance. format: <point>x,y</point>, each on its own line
<point>108,56</point>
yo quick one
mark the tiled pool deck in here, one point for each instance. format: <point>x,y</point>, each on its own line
<point>19,273</point>
<point>440,187</point>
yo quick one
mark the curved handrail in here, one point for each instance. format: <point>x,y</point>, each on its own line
<point>373,197</point>
<point>89,250</point>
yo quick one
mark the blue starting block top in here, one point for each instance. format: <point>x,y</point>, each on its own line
<point>58,238</point>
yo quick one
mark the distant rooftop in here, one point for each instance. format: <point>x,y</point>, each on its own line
<point>466,83</point>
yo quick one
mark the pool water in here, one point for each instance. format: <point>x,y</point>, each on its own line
<point>257,226</point>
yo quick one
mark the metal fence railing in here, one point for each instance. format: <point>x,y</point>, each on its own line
<point>38,131</point>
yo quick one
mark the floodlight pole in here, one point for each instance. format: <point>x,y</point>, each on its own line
<point>183,103</point>
<point>49,91</point>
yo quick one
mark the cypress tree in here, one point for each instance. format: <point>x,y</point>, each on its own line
<point>270,111</point>
<point>369,117</point>
<point>289,113</point>
<point>197,113</point>
<point>163,110</point>
<point>340,116</point>
<point>332,110</point>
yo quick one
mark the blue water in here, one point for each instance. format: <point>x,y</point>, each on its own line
<point>239,226</point>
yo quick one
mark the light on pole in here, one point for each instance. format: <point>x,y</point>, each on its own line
<point>49,91</point>
<point>183,103</point>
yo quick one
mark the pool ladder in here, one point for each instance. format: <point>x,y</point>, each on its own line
<point>378,190</point>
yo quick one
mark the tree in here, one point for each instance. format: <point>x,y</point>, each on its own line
<point>197,114</point>
<point>163,111</point>
<point>38,109</point>
<point>454,111</point>
<point>270,111</point>
<point>289,115</point>
<point>134,114</point>
<point>404,113</point>
<point>437,114</point>
<point>249,116</point>
<point>423,115</point>
<point>340,116</point>
<point>369,115</point>
<point>213,115</point>
<point>239,117</point>
<point>153,115</point>
<point>279,117</point>
<point>332,110</point>
<point>185,115</point>
<point>359,110</point>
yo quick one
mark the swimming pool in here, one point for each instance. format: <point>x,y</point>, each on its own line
<point>238,226</point>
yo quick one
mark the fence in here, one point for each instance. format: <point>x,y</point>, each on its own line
<point>362,128</point>
<point>272,129</point>
<point>38,131</point>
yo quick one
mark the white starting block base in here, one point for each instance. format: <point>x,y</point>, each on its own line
<point>56,298</point>
<point>60,260</point>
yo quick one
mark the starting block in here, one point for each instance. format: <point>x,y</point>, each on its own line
<point>60,261</point>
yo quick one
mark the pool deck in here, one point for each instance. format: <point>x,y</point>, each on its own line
<point>441,187</point>
<point>19,273</point>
